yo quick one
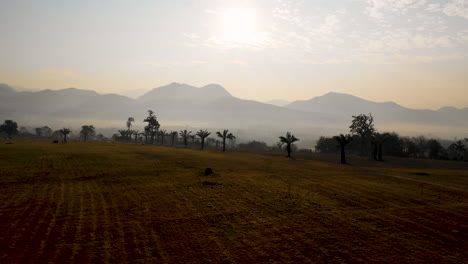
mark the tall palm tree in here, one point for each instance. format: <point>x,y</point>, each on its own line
<point>288,139</point>
<point>64,132</point>
<point>225,135</point>
<point>185,135</point>
<point>343,141</point>
<point>129,126</point>
<point>173,137</point>
<point>202,134</point>
<point>135,134</point>
<point>162,134</point>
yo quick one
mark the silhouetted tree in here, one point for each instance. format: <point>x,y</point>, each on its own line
<point>173,137</point>
<point>153,125</point>
<point>409,148</point>
<point>254,145</point>
<point>101,137</point>
<point>363,126</point>
<point>46,131</point>
<point>87,131</point>
<point>457,150</point>
<point>326,145</point>
<point>185,135</point>
<point>279,145</point>
<point>435,148</point>
<point>38,131</point>
<point>57,134</point>
<point>377,141</point>
<point>225,135</point>
<point>129,126</point>
<point>202,134</point>
<point>288,140</point>
<point>135,134</point>
<point>64,132</point>
<point>10,127</point>
<point>24,132</point>
<point>162,134</point>
<point>343,141</point>
<point>123,135</point>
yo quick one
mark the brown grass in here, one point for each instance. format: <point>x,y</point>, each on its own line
<point>124,203</point>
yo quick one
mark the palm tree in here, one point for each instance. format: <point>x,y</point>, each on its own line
<point>64,132</point>
<point>87,130</point>
<point>135,134</point>
<point>129,125</point>
<point>289,139</point>
<point>343,140</point>
<point>185,135</point>
<point>225,135</point>
<point>173,137</point>
<point>203,134</point>
<point>162,134</point>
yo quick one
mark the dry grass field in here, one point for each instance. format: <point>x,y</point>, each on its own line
<point>125,203</point>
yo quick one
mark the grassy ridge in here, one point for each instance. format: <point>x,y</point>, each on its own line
<point>110,202</point>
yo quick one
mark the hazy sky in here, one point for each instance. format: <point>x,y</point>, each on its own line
<point>414,52</point>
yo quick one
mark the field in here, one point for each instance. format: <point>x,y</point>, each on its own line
<point>124,203</point>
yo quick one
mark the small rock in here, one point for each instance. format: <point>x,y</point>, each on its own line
<point>208,171</point>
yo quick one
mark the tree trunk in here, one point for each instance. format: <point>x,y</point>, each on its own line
<point>380,152</point>
<point>224,144</point>
<point>374,151</point>
<point>288,149</point>
<point>343,157</point>
<point>202,143</point>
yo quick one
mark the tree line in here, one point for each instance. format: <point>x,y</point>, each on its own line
<point>10,128</point>
<point>153,134</point>
<point>363,139</point>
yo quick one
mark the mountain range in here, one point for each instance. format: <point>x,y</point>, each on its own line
<point>212,106</point>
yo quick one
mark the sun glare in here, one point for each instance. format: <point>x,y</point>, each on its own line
<point>239,25</point>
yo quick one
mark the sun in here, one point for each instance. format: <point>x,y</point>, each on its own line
<point>239,25</point>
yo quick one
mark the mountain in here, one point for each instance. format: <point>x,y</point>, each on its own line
<point>278,102</point>
<point>185,92</point>
<point>211,106</point>
<point>385,112</point>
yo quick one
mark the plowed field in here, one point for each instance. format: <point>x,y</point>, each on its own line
<point>124,203</point>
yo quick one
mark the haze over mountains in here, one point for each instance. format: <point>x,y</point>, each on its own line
<point>211,106</point>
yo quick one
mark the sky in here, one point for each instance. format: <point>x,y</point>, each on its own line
<point>413,52</point>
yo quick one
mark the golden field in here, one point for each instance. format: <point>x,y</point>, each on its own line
<point>125,203</point>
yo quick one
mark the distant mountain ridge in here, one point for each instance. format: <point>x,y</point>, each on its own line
<point>213,106</point>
